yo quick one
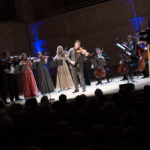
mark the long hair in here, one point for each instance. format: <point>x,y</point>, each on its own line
<point>57,51</point>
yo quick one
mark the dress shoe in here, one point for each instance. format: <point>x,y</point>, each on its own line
<point>84,90</point>
<point>108,81</point>
<point>75,91</point>
<point>99,82</point>
<point>17,99</point>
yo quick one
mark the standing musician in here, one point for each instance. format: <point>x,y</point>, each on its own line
<point>130,46</point>
<point>9,81</point>
<point>75,58</point>
<point>64,79</point>
<point>106,59</point>
<point>45,82</point>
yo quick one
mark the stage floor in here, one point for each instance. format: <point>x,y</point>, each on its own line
<point>107,88</point>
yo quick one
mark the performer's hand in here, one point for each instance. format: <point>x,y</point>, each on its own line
<point>73,63</point>
<point>128,53</point>
<point>92,66</point>
<point>125,45</point>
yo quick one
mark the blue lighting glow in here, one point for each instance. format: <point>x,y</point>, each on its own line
<point>37,44</point>
<point>136,20</point>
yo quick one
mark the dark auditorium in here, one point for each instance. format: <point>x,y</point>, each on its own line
<point>74,74</point>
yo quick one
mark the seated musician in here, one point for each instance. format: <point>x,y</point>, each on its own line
<point>131,52</point>
<point>100,54</point>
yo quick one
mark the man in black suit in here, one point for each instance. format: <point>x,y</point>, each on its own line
<point>9,81</point>
<point>76,65</point>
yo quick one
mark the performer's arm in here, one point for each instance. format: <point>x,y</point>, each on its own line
<point>56,57</point>
<point>68,57</point>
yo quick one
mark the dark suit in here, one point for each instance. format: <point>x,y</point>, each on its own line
<point>9,82</point>
<point>134,60</point>
<point>77,69</point>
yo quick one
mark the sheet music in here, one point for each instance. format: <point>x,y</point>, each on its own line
<point>120,46</point>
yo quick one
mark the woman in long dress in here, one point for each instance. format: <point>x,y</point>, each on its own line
<point>64,79</point>
<point>45,82</point>
<point>29,84</point>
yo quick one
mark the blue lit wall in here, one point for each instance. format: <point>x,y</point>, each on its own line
<point>137,21</point>
<point>37,44</point>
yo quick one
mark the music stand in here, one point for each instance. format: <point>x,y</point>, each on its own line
<point>56,64</point>
<point>20,69</point>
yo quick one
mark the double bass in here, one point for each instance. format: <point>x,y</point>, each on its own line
<point>142,55</point>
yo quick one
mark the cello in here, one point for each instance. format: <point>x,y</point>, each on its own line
<point>142,55</point>
<point>124,65</point>
<point>100,71</point>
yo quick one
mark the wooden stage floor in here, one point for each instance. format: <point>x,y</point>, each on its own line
<point>107,88</point>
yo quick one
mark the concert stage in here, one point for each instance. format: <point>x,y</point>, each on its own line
<point>107,88</point>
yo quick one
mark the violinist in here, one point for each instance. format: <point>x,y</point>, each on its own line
<point>29,84</point>
<point>45,82</point>
<point>9,81</point>
<point>100,54</point>
<point>75,58</point>
<point>64,79</point>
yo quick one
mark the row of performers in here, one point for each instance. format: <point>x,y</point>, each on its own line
<point>76,57</point>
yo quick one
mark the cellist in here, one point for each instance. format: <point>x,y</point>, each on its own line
<point>100,54</point>
<point>130,46</point>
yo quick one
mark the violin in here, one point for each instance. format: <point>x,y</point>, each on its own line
<point>10,59</point>
<point>83,51</point>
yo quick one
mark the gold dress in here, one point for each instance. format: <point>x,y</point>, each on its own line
<point>64,78</point>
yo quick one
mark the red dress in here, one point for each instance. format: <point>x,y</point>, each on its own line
<point>29,84</point>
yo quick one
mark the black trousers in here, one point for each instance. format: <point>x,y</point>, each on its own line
<point>78,72</point>
<point>13,86</point>
<point>4,90</point>
<point>108,72</point>
<point>8,86</point>
<point>86,74</point>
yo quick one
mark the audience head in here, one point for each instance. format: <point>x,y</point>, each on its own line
<point>6,122</point>
<point>99,95</point>
<point>31,104</point>
<point>44,99</point>
<point>63,98</point>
